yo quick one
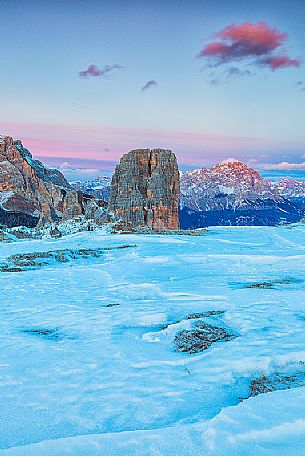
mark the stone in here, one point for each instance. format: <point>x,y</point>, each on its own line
<point>145,190</point>
<point>209,313</point>
<point>19,262</point>
<point>274,382</point>
<point>200,338</point>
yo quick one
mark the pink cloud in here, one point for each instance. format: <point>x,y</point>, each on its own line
<point>281,61</point>
<point>255,39</point>
<point>257,42</point>
<point>94,71</point>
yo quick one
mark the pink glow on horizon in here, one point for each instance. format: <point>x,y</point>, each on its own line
<point>108,143</point>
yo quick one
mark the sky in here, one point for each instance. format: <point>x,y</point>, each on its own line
<point>83,82</point>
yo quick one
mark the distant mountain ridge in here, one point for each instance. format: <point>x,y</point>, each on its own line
<point>293,190</point>
<point>231,193</point>
<point>99,187</point>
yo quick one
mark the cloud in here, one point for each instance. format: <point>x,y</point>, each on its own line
<point>72,173</point>
<point>234,71</point>
<point>284,166</point>
<point>280,61</point>
<point>94,71</point>
<point>257,44</point>
<point>149,85</point>
<point>300,85</point>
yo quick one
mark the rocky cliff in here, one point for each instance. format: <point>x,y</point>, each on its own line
<point>30,193</point>
<point>145,189</point>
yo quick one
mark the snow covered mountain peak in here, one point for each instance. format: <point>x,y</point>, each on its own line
<point>241,180</point>
<point>231,193</point>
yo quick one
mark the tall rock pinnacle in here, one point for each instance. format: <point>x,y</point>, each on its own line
<point>145,189</point>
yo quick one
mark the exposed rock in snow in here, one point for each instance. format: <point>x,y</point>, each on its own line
<point>200,338</point>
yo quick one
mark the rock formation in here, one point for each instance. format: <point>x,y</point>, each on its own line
<point>32,194</point>
<point>145,190</point>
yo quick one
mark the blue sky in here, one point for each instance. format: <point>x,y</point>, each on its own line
<point>193,107</point>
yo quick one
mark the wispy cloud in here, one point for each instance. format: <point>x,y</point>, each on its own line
<point>149,85</point>
<point>300,85</point>
<point>252,44</point>
<point>96,72</point>
<point>279,61</point>
<point>284,166</point>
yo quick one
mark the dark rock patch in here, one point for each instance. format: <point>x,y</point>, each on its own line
<point>5,268</point>
<point>45,333</point>
<point>209,313</point>
<point>201,338</point>
<point>274,382</point>
<point>19,262</point>
<point>270,285</point>
<point>262,285</point>
<point>54,334</point>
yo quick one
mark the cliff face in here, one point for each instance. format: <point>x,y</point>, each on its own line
<point>30,193</point>
<point>145,189</point>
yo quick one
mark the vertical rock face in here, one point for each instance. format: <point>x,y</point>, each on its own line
<point>145,189</point>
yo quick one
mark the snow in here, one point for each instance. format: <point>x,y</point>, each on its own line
<point>226,190</point>
<point>5,196</point>
<point>229,161</point>
<point>113,384</point>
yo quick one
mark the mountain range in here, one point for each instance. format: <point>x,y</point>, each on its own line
<point>229,193</point>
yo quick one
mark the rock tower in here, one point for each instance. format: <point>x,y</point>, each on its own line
<point>145,190</point>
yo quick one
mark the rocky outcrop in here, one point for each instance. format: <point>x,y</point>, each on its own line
<point>30,193</point>
<point>145,190</point>
<point>200,338</point>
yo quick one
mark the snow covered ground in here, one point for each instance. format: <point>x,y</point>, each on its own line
<point>88,365</point>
